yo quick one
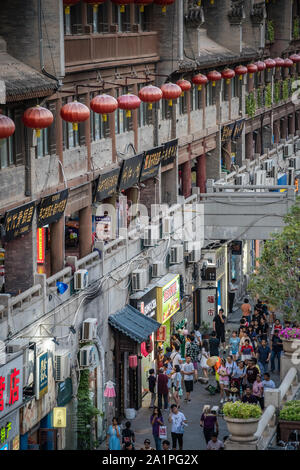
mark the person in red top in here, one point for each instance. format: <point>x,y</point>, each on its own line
<point>162,389</point>
<point>277,326</point>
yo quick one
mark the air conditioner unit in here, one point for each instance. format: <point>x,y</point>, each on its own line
<point>186,247</point>
<point>158,269</point>
<point>81,279</point>
<point>194,256</point>
<point>87,356</point>
<point>151,235</point>
<point>291,177</point>
<point>294,162</point>
<point>288,150</point>
<point>274,172</point>
<point>297,145</point>
<point>176,256</point>
<point>167,226</point>
<point>268,165</point>
<point>62,365</point>
<point>139,279</point>
<point>241,179</point>
<point>89,329</point>
<point>260,178</point>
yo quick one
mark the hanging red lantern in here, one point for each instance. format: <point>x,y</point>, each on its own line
<point>7,126</point>
<point>295,58</point>
<point>270,63</point>
<point>164,4</point>
<point>75,112</point>
<point>122,4</point>
<point>142,4</point>
<point>133,361</point>
<point>279,62</point>
<point>37,118</point>
<point>260,66</point>
<point>228,74</point>
<point>150,94</point>
<point>288,63</point>
<point>214,77</point>
<point>200,80</point>
<point>104,104</point>
<point>129,102</point>
<point>171,92</point>
<point>252,68</point>
<point>241,70</point>
<point>185,85</point>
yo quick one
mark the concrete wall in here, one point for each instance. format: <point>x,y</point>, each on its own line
<point>12,184</point>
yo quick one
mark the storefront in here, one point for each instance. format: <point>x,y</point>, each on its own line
<point>205,306</point>
<point>217,260</point>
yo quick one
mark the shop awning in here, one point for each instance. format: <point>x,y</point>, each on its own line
<point>132,323</point>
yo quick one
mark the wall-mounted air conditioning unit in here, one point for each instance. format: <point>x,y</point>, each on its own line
<point>291,177</point>
<point>81,279</point>
<point>242,179</point>
<point>268,165</point>
<point>158,269</point>
<point>151,235</point>
<point>167,226</point>
<point>89,329</point>
<point>194,256</point>
<point>62,365</point>
<point>87,356</point>
<point>139,279</point>
<point>176,254</point>
<point>294,162</point>
<point>288,150</point>
<point>260,178</point>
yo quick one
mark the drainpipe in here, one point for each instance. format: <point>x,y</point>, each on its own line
<point>180,30</point>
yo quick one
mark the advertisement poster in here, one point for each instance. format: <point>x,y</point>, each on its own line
<point>168,300</point>
<point>103,227</point>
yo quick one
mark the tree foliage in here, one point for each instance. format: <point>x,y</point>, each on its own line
<point>277,278</point>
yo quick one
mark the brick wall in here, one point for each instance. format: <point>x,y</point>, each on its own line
<point>19,258</point>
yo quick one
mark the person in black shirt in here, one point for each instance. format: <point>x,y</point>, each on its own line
<point>249,397</point>
<point>214,344</point>
<point>128,436</point>
<point>152,382</point>
<point>264,328</point>
<point>219,327</point>
<point>277,348</point>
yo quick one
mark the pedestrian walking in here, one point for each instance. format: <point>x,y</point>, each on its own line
<point>193,350</point>
<point>223,378</point>
<point>113,436</point>
<point>156,420</point>
<point>234,343</point>
<point>162,389</point>
<point>277,348</point>
<point>258,390</point>
<point>215,443</point>
<point>178,421</point>
<point>214,344</point>
<point>177,385</point>
<point>246,310</point>
<point>247,351</point>
<point>232,290</point>
<point>198,335</point>
<point>175,356</point>
<point>209,423</point>
<point>152,385</point>
<point>239,377</point>
<point>188,372</point>
<point>219,327</point>
<point>263,356</point>
<point>252,372</point>
<point>128,435</point>
<point>267,382</point>
<point>204,357</point>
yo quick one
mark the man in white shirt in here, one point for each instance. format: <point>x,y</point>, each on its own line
<point>188,372</point>
<point>198,335</point>
<point>215,443</point>
<point>232,289</point>
<point>176,357</point>
<point>267,382</point>
<point>178,421</point>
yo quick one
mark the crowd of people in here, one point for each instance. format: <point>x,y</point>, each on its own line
<point>241,365</point>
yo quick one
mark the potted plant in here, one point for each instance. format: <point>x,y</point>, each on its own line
<point>242,420</point>
<point>205,330</point>
<point>289,419</point>
<point>291,340</point>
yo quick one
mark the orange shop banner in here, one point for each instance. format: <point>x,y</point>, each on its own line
<point>40,237</point>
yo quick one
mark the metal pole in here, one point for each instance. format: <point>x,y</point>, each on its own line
<point>180,30</point>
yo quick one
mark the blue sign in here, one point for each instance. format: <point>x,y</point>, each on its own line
<point>43,374</point>
<point>5,447</point>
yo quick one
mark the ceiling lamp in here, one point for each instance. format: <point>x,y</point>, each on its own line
<point>241,70</point>
<point>75,112</point>
<point>270,63</point>
<point>164,4</point>
<point>200,80</point>
<point>185,85</point>
<point>129,102</point>
<point>7,127</point>
<point>37,118</point>
<point>214,77</point>
<point>142,4</point>
<point>171,92</point>
<point>104,104</point>
<point>252,68</point>
<point>122,4</point>
<point>150,94</point>
<point>228,74</point>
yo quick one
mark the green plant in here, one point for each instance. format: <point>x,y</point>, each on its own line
<point>276,280</point>
<point>259,97</point>
<point>86,412</point>
<point>270,31</point>
<point>250,104</point>
<point>290,411</point>
<point>268,95</point>
<point>296,25</point>
<point>285,89</point>
<point>241,410</point>
<point>277,92</point>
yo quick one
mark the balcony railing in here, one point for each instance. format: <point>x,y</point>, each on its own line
<point>88,51</point>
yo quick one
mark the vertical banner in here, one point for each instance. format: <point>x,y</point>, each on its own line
<point>40,239</point>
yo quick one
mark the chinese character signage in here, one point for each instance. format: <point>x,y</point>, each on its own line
<point>227,132</point>
<point>107,184</point>
<point>42,374</point>
<point>130,171</point>
<point>11,386</point>
<point>40,246</point>
<point>169,152</point>
<point>9,430</point>
<point>51,208</point>
<point>18,221</point>
<point>238,129</point>
<point>146,304</point>
<point>208,304</point>
<point>151,163</point>
<point>168,299</point>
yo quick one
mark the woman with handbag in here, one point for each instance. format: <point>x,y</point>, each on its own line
<point>157,421</point>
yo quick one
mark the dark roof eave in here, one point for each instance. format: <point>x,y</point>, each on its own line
<point>20,96</point>
<point>216,61</point>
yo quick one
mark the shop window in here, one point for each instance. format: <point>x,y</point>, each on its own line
<point>99,128</point>
<point>70,137</point>
<point>235,82</point>
<point>143,19</point>
<point>42,148</point>
<point>196,99</point>
<point>12,150</point>
<point>166,110</point>
<point>122,19</point>
<point>6,153</point>
<point>183,104</point>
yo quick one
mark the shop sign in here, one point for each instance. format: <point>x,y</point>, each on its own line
<point>42,375</point>
<point>146,304</point>
<point>161,333</point>
<point>18,221</point>
<point>147,309</point>
<point>11,386</point>
<point>238,129</point>
<point>107,184</point>
<point>51,208</point>
<point>152,159</point>
<point>9,428</point>
<point>60,417</point>
<point>168,300</point>
<point>169,152</point>
<point>227,131</point>
<point>40,241</point>
<point>208,304</point>
<point>130,171</point>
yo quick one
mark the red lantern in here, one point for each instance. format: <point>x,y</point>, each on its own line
<point>122,4</point>
<point>252,68</point>
<point>288,63</point>
<point>150,94</point>
<point>260,66</point>
<point>200,80</point>
<point>37,118</point>
<point>104,104</point>
<point>129,102</point>
<point>279,62</point>
<point>241,70</point>
<point>228,74</point>
<point>214,76</point>
<point>75,112</point>
<point>133,362</point>
<point>295,58</point>
<point>171,91</point>
<point>270,63</point>
<point>185,85</point>
<point>7,127</point>
<point>164,4</point>
<point>142,4</point>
